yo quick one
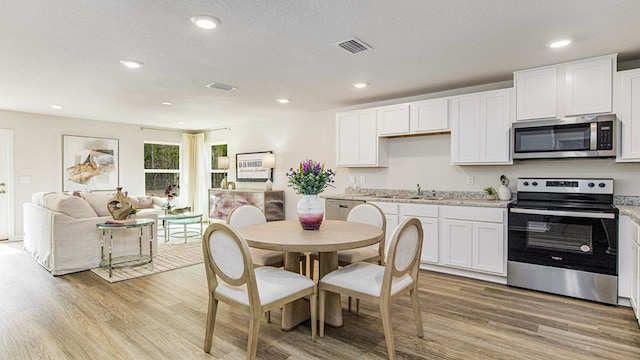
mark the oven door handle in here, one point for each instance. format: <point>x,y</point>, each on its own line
<point>564,213</point>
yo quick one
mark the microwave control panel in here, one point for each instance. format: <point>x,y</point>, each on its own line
<point>605,135</point>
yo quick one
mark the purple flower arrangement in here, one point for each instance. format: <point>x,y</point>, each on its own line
<point>310,178</point>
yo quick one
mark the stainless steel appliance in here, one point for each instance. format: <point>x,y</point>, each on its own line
<point>335,209</point>
<point>583,136</point>
<point>563,238</point>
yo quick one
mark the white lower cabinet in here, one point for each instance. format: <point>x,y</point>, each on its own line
<point>390,211</point>
<point>488,247</point>
<point>629,262</point>
<point>428,216</point>
<point>457,243</point>
<point>634,288</point>
<point>473,238</point>
<point>461,237</point>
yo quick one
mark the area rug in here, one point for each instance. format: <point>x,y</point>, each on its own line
<point>170,257</point>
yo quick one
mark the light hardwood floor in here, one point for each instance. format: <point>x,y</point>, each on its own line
<point>162,316</point>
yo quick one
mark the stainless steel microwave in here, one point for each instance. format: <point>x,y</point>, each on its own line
<point>583,136</point>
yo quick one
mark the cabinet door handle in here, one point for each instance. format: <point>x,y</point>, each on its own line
<point>343,206</point>
<point>2,192</point>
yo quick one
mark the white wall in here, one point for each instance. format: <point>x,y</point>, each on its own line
<point>37,153</point>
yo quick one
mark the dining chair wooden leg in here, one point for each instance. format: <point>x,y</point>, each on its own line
<point>321,310</point>
<point>211,321</point>
<point>254,329</point>
<point>357,307</point>
<point>385,314</point>
<point>314,315</point>
<point>267,316</point>
<point>349,304</point>
<point>416,311</point>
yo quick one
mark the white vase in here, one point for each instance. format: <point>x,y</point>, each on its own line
<point>310,212</point>
<point>504,192</point>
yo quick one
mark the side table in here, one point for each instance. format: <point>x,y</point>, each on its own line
<point>125,261</point>
<point>183,219</point>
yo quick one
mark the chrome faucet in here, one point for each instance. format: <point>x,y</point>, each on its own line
<point>433,193</point>
<point>419,191</point>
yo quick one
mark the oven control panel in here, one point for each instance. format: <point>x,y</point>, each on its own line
<point>558,185</point>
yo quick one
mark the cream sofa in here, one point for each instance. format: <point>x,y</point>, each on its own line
<point>60,230</point>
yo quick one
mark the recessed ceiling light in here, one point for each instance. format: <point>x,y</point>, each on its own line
<point>56,106</point>
<point>182,123</point>
<point>283,101</point>
<point>133,64</point>
<point>559,43</point>
<point>205,22</point>
<point>168,103</point>
<point>360,85</point>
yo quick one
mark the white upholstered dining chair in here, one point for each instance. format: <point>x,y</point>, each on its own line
<point>245,215</point>
<point>371,214</point>
<point>382,284</point>
<point>232,279</point>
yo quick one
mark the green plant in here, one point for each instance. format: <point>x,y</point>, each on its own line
<point>311,178</point>
<point>490,191</point>
<point>134,210</point>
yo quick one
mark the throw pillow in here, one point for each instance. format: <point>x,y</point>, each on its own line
<point>98,202</point>
<point>146,202</point>
<point>134,202</point>
<point>68,204</point>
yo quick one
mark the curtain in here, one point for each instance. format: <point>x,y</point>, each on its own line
<point>193,184</point>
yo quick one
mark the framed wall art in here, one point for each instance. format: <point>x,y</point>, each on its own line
<point>249,167</point>
<point>89,163</point>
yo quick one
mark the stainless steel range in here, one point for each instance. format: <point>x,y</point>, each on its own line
<point>563,238</point>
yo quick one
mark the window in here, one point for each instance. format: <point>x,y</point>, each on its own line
<point>161,167</point>
<point>217,174</point>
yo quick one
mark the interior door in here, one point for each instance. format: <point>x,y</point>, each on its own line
<point>5,167</point>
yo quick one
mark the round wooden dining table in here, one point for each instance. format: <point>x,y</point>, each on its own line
<point>333,236</point>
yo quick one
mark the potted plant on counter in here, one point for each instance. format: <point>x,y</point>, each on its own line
<point>491,193</point>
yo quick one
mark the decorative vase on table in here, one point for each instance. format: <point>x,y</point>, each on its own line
<point>119,205</point>
<point>310,212</point>
<point>310,179</point>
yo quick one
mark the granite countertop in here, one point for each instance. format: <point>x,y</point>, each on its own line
<point>630,210</point>
<point>426,200</point>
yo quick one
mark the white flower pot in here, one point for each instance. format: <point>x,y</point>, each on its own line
<point>310,212</point>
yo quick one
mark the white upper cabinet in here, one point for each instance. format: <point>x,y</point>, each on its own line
<point>429,116</point>
<point>570,89</point>
<point>480,128</point>
<point>588,86</point>
<point>420,117</point>
<point>536,93</point>
<point>357,142</point>
<point>628,111</point>
<point>393,119</point>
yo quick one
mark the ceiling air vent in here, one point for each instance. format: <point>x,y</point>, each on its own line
<point>221,86</point>
<point>354,46</point>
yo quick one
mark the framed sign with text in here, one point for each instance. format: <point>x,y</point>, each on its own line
<point>249,167</point>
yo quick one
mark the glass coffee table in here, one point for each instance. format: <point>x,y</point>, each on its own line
<point>182,219</point>
<point>110,262</point>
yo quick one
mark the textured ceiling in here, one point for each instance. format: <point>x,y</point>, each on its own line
<point>68,52</point>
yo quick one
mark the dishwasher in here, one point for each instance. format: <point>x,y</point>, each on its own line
<point>336,209</point>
